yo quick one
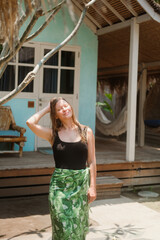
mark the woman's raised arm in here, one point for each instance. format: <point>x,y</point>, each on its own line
<point>40,131</point>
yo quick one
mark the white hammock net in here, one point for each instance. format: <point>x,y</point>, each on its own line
<point>112,128</point>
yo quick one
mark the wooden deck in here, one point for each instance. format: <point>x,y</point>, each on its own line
<point>31,173</point>
<point>108,151</point>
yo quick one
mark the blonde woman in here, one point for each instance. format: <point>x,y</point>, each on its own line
<point>73,183</point>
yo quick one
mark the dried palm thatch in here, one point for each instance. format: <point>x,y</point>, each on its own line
<point>13,13</point>
<point>118,84</point>
<point>10,13</point>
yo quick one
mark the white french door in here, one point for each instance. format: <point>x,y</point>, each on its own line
<point>59,77</point>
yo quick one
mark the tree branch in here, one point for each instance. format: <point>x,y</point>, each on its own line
<point>47,21</point>
<point>55,8</point>
<point>23,18</point>
<point>31,75</point>
<point>2,70</point>
<point>3,53</point>
<point>90,3</point>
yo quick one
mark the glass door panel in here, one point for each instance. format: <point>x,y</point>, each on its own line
<point>26,55</point>
<point>67,59</point>
<point>22,73</point>
<point>7,81</point>
<point>50,80</point>
<point>67,81</point>
<point>53,61</point>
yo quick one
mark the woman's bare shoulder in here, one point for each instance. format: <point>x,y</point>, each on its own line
<point>87,129</point>
<point>84,127</point>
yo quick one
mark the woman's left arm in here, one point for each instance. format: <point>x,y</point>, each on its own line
<point>92,165</point>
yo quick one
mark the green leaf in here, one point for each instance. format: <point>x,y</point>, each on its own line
<point>101,104</point>
<point>107,104</point>
<point>109,96</point>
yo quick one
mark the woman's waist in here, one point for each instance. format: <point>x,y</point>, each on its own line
<point>70,171</point>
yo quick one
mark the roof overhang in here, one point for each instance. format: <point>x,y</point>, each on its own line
<point>109,15</point>
<point>146,5</point>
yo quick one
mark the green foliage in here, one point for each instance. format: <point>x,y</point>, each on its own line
<point>157,1</point>
<point>105,105</point>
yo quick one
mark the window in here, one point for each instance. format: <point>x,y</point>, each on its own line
<point>7,81</point>
<point>17,70</point>
<point>59,72</point>
<point>56,76</point>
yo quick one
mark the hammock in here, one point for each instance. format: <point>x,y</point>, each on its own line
<point>113,128</point>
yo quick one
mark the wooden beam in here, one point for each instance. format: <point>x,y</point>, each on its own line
<point>132,91</point>
<point>101,14</point>
<point>129,7</point>
<point>109,6</point>
<point>142,98</point>
<point>125,67</point>
<point>113,28</point>
<point>116,68</point>
<point>75,2</point>
<point>152,64</point>
<point>118,26</point>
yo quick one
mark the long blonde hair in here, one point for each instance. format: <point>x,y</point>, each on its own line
<point>57,124</point>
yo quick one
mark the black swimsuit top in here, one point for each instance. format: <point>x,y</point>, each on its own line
<point>70,155</point>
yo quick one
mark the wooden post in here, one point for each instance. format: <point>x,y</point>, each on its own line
<point>142,98</point>
<point>132,91</point>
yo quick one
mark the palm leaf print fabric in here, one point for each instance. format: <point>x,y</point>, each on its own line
<point>68,203</point>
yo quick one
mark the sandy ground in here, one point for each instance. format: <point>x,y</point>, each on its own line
<point>153,203</point>
<point>25,215</point>
<point>30,215</point>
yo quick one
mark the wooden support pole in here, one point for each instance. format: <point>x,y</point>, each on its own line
<point>132,91</point>
<point>142,98</point>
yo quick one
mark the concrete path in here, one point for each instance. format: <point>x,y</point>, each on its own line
<point>111,219</point>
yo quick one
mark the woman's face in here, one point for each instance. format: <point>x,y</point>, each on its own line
<point>63,110</point>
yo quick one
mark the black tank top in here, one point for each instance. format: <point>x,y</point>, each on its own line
<point>70,155</point>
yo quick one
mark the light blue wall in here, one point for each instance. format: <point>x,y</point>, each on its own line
<point>87,40</point>
<point>55,32</point>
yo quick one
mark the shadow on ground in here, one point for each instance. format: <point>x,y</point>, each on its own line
<point>24,206</point>
<point>37,232</point>
<point>121,233</point>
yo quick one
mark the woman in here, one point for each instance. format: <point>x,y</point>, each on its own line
<point>73,184</point>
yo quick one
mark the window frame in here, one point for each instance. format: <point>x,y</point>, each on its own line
<point>38,81</point>
<point>76,68</point>
<point>17,64</point>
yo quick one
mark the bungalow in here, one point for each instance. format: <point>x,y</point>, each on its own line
<point>117,38</point>
<point>71,73</point>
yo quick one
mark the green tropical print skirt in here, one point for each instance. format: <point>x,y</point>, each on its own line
<point>69,208</point>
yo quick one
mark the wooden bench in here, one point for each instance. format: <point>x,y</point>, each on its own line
<point>7,122</point>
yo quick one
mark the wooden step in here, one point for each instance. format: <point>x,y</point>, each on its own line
<point>14,183</point>
<point>108,187</point>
